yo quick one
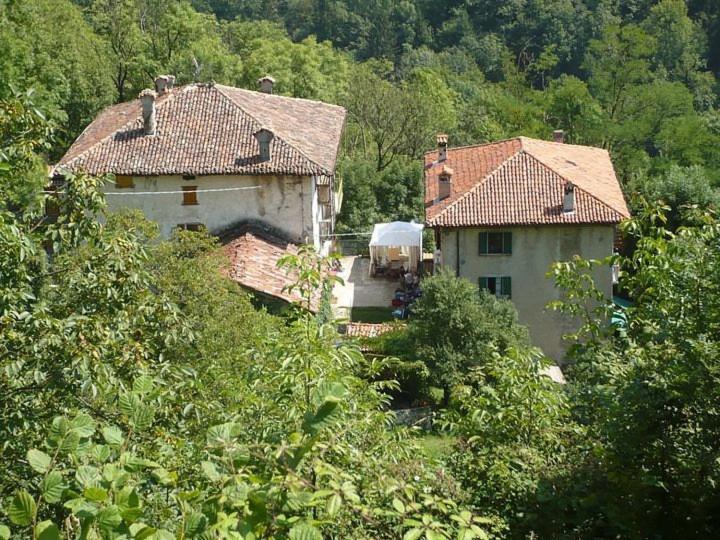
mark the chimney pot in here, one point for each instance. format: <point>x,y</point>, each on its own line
<point>266,84</point>
<point>264,137</point>
<point>445,182</point>
<point>147,98</point>
<point>569,198</point>
<point>559,136</point>
<point>442,143</point>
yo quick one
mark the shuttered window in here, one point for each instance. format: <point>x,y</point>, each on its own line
<point>495,243</point>
<point>189,195</point>
<point>122,181</point>
<point>497,286</point>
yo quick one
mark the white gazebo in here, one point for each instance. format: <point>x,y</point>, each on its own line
<point>395,245</point>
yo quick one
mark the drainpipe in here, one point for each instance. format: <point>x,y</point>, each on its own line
<point>457,252</point>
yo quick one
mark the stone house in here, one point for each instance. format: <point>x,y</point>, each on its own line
<point>228,159</point>
<point>503,212</point>
<point>216,156</point>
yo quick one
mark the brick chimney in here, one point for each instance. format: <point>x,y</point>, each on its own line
<point>569,198</point>
<point>445,182</point>
<point>442,144</point>
<point>264,138</point>
<point>559,136</point>
<point>266,84</point>
<point>147,98</point>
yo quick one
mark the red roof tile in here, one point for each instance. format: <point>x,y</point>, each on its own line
<point>521,182</point>
<point>208,129</point>
<point>254,255</point>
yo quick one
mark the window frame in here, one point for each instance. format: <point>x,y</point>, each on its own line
<point>503,285</point>
<point>190,197</point>
<point>505,242</point>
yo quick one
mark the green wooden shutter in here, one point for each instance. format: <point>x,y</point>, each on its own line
<point>506,286</point>
<point>483,283</point>
<point>483,243</point>
<point>507,243</point>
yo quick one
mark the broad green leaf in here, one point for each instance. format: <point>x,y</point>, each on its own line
<point>47,530</point>
<point>413,534</point>
<point>145,532</point>
<point>109,518</point>
<point>87,475</point>
<point>83,425</point>
<point>398,505</point>
<point>333,504</point>
<point>4,532</point>
<point>95,494</point>
<point>210,470</point>
<point>112,435</point>
<point>304,531</point>
<point>195,524</point>
<point>22,509</point>
<point>39,461</point>
<point>143,385</point>
<point>322,417</point>
<point>53,486</point>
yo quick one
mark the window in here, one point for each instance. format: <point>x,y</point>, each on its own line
<point>194,227</point>
<point>189,195</point>
<point>495,243</point>
<point>122,181</point>
<point>497,286</point>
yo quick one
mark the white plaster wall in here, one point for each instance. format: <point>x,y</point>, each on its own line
<point>284,202</point>
<point>534,249</point>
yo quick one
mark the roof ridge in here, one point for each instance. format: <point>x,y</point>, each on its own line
<point>479,183</point>
<point>262,126</point>
<point>541,162</point>
<point>97,143</point>
<point>477,145</point>
<point>561,144</point>
<point>324,103</point>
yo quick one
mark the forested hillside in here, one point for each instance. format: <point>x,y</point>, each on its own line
<point>144,396</point>
<point>639,78</point>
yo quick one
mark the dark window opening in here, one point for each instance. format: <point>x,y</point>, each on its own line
<point>497,286</point>
<point>495,243</point>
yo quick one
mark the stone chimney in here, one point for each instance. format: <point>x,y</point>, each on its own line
<point>171,82</point>
<point>264,138</point>
<point>559,136</point>
<point>161,84</point>
<point>147,97</point>
<point>445,182</point>
<point>442,143</point>
<point>569,198</point>
<point>266,84</point>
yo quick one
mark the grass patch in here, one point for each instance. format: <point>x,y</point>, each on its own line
<point>436,446</point>
<point>371,314</point>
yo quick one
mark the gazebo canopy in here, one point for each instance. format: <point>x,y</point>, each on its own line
<point>397,234</point>
<point>398,242</point>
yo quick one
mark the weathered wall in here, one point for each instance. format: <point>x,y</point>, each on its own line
<point>285,203</point>
<point>534,249</point>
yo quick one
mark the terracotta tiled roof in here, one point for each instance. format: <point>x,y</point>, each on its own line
<point>208,129</point>
<point>368,330</point>
<point>254,255</point>
<point>522,181</point>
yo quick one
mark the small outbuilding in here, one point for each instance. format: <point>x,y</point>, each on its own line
<point>395,246</point>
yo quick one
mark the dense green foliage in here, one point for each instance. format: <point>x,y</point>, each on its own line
<point>139,401</point>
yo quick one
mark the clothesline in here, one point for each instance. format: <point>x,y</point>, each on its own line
<point>217,190</point>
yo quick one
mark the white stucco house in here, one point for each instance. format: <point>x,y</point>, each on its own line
<point>219,157</point>
<point>503,212</point>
